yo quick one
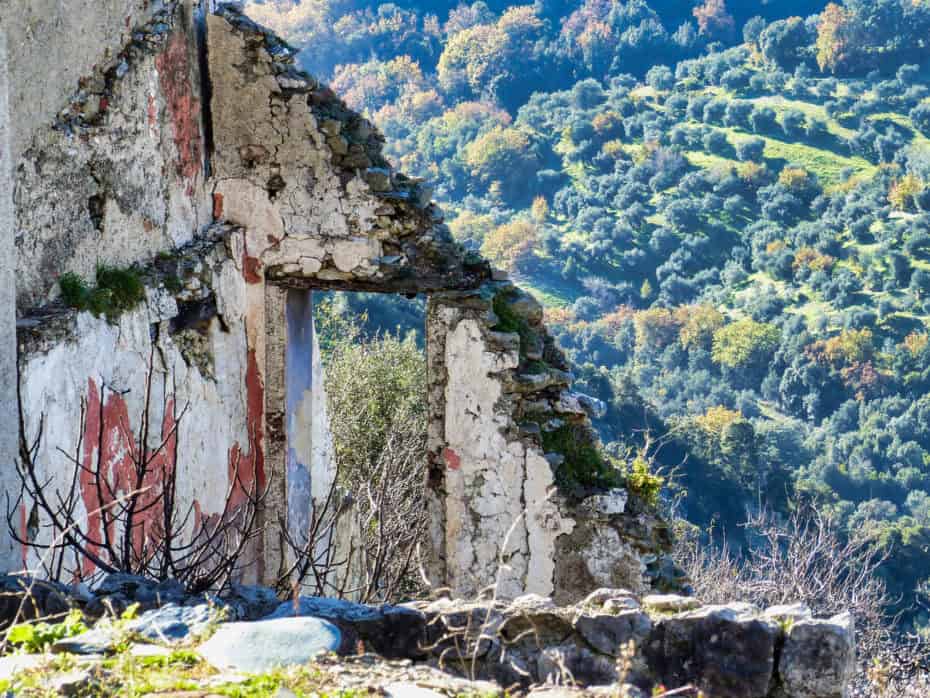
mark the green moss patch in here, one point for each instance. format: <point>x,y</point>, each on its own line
<point>117,291</point>
<point>584,465</point>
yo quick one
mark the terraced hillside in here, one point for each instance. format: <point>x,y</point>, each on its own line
<point>746,253</point>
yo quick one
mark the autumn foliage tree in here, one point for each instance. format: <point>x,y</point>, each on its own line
<point>507,156</point>
<point>904,192</point>
<point>863,35</point>
<point>833,37</point>
<point>491,60</point>
<point>371,85</point>
<point>698,324</point>
<point>511,246</point>
<point>714,20</point>
<point>742,342</point>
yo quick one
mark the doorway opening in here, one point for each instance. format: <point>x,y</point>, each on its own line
<point>357,419</point>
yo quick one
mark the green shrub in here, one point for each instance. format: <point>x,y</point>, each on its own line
<point>642,482</point>
<point>74,290</point>
<point>117,291</point>
<point>584,465</point>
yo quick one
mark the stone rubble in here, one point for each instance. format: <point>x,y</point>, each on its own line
<point>612,638</point>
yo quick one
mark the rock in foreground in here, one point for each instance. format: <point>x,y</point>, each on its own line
<point>269,644</point>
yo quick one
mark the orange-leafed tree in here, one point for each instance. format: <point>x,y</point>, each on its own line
<point>511,246</point>
<point>833,40</point>
<point>713,19</point>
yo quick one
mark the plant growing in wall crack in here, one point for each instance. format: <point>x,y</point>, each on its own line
<point>117,291</point>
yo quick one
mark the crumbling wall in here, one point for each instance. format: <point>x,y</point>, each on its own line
<point>89,384</point>
<point>234,202</point>
<point>117,176</point>
<point>53,45</point>
<point>506,512</point>
<point>305,176</point>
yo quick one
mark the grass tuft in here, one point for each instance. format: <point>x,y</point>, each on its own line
<point>117,291</point>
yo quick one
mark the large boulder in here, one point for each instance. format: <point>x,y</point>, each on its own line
<point>570,663</point>
<point>466,637</point>
<point>818,658</point>
<point>264,645</point>
<point>726,651</point>
<point>610,634</point>
<point>535,621</point>
<point>532,640</point>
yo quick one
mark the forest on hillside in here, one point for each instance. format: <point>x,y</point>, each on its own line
<point>724,206</point>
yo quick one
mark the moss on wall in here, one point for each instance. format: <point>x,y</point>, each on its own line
<point>116,292</point>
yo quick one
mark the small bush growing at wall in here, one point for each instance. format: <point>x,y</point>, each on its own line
<point>509,321</point>
<point>642,482</point>
<point>117,291</point>
<point>74,290</point>
<point>584,464</point>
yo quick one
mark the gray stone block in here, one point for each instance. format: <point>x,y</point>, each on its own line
<point>818,659</point>
<point>268,644</point>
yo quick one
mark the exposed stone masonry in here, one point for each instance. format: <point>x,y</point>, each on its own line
<point>506,512</point>
<point>118,176</point>
<point>306,177</point>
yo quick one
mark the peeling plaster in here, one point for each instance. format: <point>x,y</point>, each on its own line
<point>8,407</point>
<point>56,383</point>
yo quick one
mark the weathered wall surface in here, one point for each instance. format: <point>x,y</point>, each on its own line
<point>499,516</point>
<point>52,45</point>
<point>118,175</point>
<point>320,208</point>
<point>305,177</point>
<point>84,392</point>
<point>9,417</point>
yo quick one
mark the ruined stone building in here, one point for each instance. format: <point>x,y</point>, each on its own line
<point>180,141</point>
